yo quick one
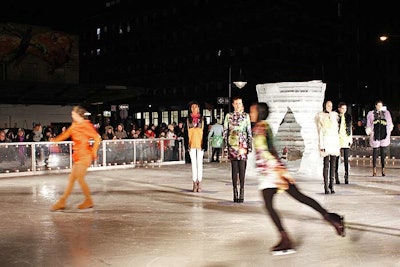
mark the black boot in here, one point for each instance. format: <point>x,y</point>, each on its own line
<point>337,178</point>
<point>284,246</point>
<point>326,185</point>
<point>241,196</point>
<point>235,195</point>
<point>346,179</point>
<point>325,175</point>
<point>331,185</point>
<point>337,221</point>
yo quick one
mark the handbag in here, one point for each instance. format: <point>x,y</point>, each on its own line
<point>217,141</point>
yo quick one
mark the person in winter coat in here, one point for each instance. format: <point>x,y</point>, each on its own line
<point>120,133</point>
<point>109,133</point>
<point>345,139</point>
<point>379,127</point>
<point>328,143</point>
<point>238,141</point>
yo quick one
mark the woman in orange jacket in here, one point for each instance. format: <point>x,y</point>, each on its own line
<point>81,132</point>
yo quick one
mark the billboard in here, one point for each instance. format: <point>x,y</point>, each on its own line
<point>38,54</point>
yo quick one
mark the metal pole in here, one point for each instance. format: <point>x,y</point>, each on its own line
<point>230,88</point>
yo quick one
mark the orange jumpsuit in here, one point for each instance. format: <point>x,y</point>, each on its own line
<point>81,134</point>
<point>83,154</point>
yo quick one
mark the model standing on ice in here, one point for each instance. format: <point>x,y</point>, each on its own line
<point>238,141</point>
<point>328,143</point>
<point>379,127</point>
<point>274,176</point>
<point>196,145</point>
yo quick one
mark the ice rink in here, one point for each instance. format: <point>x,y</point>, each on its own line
<point>149,217</point>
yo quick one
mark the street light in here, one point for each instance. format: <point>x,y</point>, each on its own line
<point>385,37</point>
<point>239,84</point>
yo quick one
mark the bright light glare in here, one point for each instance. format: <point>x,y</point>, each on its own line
<point>383,38</point>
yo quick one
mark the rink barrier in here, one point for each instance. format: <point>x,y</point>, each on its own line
<point>36,158</point>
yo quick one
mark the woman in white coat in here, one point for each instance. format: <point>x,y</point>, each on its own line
<point>329,146</point>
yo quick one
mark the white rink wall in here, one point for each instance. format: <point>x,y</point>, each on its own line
<point>24,116</point>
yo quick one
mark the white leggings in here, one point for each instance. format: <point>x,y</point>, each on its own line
<point>196,157</point>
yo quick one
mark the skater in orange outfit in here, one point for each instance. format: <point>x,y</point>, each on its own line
<point>274,177</point>
<point>81,132</point>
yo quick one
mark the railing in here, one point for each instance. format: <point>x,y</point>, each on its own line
<point>33,158</point>
<point>362,151</point>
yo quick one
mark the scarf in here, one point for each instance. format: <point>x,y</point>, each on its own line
<point>195,118</point>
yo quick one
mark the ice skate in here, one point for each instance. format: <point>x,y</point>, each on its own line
<point>284,247</point>
<point>87,204</point>
<point>59,206</point>
<point>337,221</point>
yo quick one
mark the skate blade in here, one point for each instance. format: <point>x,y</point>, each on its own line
<point>85,210</point>
<point>283,252</point>
<point>59,210</point>
<point>343,232</point>
<point>76,210</point>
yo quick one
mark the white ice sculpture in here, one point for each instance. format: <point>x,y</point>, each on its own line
<point>305,100</point>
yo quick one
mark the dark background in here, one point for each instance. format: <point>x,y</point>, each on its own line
<point>181,50</point>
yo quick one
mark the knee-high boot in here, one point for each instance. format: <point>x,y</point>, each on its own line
<point>241,196</point>
<point>325,174</point>
<point>332,174</point>
<point>235,195</point>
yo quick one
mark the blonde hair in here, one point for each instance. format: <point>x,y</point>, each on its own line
<point>79,110</point>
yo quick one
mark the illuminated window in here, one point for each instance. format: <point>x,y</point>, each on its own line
<point>155,118</point>
<point>98,33</point>
<point>146,116</point>
<point>174,116</point>
<point>165,117</point>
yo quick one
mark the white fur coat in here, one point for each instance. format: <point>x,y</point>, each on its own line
<point>328,133</point>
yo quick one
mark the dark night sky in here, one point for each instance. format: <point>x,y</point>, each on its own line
<point>68,14</point>
<point>58,15</point>
<point>382,15</point>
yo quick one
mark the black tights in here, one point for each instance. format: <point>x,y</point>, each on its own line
<point>345,161</point>
<point>215,152</point>
<point>238,168</point>
<point>382,152</point>
<point>269,193</point>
